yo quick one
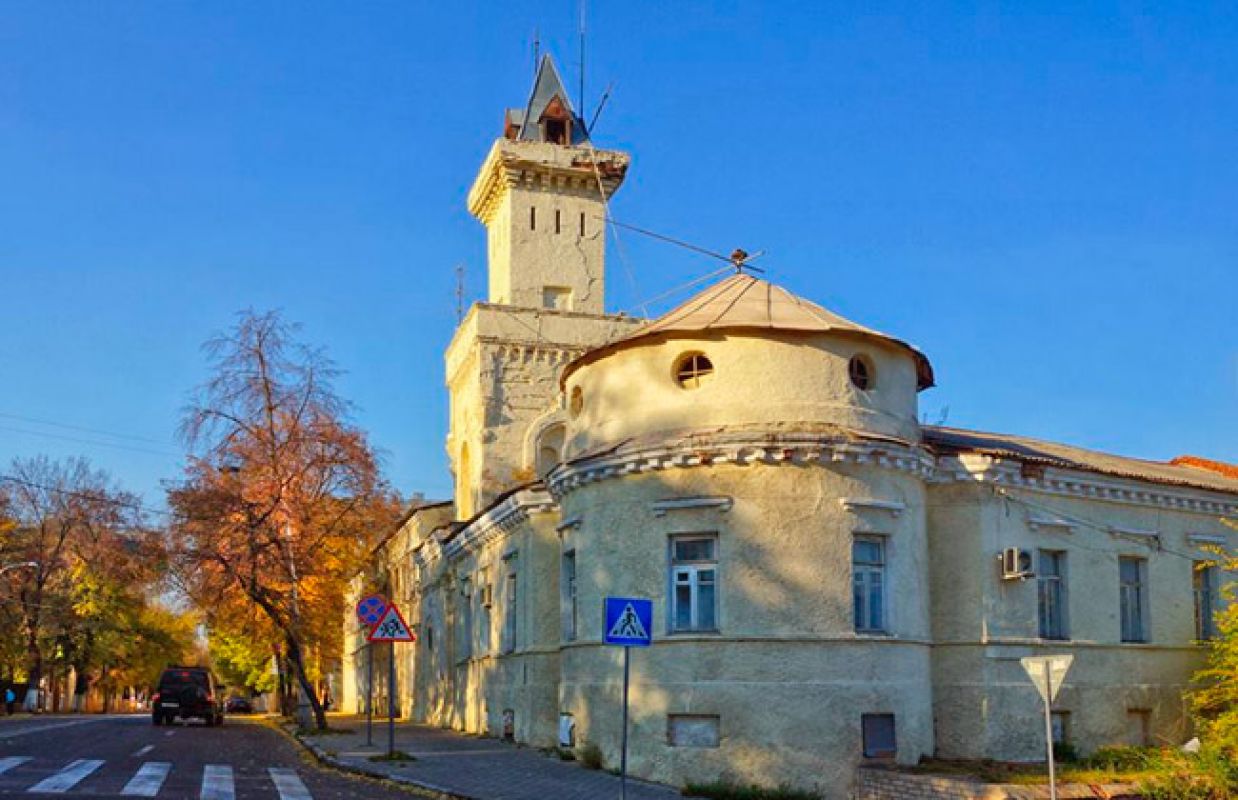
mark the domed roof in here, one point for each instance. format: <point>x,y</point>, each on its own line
<point>743,302</point>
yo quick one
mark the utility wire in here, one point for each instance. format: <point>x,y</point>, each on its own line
<point>96,442</point>
<point>82,429</point>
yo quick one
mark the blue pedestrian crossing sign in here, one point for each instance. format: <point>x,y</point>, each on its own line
<point>629,621</point>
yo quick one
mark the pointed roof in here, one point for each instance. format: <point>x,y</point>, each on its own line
<point>743,302</point>
<point>548,86</point>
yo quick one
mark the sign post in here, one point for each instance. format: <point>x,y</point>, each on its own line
<point>391,628</point>
<point>627,622</point>
<point>369,611</point>
<point>1048,673</point>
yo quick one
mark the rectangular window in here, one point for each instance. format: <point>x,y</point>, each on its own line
<point>868,583</point>
<point>878,733</point>
<point>1059,723</point>
<point>582,223</point>
<point>1204,578</point>
<point>692,730</point>
<point>510,614</point>
<point>1051,594</point>
<point>1133,598</point>
<point>1139,727</point>
<point>558,221</point>
<point>532,218</point>
<point>466,621</point>
<point>568,595</point>
<point>694,583</point>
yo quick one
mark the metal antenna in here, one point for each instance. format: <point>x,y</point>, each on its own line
<point>537,49</point>
<point>601,105</point>
<point>582,56</point>
<point>459,293</point>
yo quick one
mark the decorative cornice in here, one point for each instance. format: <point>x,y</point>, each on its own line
<point>1207,539</point>
<point>800,450</point>
<point>500,520</point>
<point>1145,537</point>
<point>661,507</point>
<point>865,504</point>
<point>974,467</point>
<point>1037,523</point>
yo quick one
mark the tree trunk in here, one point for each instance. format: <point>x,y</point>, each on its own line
<point>34,672</point>
<point>298,668</point>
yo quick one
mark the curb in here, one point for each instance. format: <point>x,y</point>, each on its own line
<point>323,757</point>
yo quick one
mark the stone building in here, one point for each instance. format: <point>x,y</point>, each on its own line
<point>833,582</point>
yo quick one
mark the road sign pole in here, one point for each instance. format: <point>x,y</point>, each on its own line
<point>391,692</point>
<point>1049,733</point>
<point>623,747</point>
<point>369,694</point>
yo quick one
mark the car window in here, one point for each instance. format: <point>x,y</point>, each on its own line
<point>183,677</point>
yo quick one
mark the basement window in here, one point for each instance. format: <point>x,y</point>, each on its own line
<point>693,370</point>
<point>861,372</point>
<point>878,732</point>
<point>692,730</point>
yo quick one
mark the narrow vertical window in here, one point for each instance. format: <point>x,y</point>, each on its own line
<point>1204,578</point>
<point>1059,724</point>
<point>1133,599</point>
<point>694,583</point>
<point>568,598</point>
<point>558,221</point>
<point>510,615</point>
<point>466,621</point>
<point>1051,594</point>
<point>582,223</point>
<point>532,218</point>
<point>868,579</point>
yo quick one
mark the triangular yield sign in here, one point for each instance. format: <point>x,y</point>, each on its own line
<point>391,628</point>
<point>628,625</point>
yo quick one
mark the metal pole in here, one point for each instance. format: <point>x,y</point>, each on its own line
<point>623,747</point>
<point>391,701</point>
<point>1049,731</point>
<point>369,694</point>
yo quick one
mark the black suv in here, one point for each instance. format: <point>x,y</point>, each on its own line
<point>188,692</point>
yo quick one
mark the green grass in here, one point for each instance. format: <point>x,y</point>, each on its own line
<point>725,790</point>
<point>1107,765</point>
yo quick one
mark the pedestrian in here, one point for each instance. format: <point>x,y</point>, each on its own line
<point>9,700</point>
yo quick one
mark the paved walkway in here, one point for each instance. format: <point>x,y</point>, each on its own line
<point>472,767</point>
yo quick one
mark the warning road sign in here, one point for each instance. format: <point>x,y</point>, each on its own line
<point>629,621</point>
<point>391,628</point>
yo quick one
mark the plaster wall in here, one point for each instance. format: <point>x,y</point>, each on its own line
<point>785,665</point>
<point>503,370</point>
<point>774,378</point>
<point>984,624</point>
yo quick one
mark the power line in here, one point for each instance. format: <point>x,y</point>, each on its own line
<point>96,442</point>
<point>66,426</point>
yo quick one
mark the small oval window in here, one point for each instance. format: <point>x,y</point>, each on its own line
<point>861,371</point>
<point>577,402</point>
<point>693,370</point>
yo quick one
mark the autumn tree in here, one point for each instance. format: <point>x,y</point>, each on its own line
<point>92,561</point>
<point>282,496</point>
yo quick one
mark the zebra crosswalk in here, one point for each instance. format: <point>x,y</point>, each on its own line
<point>217,781</point>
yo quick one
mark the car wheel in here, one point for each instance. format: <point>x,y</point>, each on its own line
<point>169,719</point>
<point>156,718</point>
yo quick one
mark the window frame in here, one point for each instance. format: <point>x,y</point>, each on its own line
<point>692,570</point>
<point>511,611</point>
<point>1204,590</point>
<point>1045,581</point>
<point>861,362</point>
<point>1137,631</point>
<point>568,596</point>
<point>688,373</point>
<point>873,752</point>
<point>869,569</point>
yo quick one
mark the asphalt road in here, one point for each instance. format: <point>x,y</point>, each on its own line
<point>127,756</point>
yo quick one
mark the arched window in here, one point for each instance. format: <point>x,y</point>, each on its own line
<point>464,484</point>
<point>693,370</point>
<point>861,372</point>
<point>549,448</point>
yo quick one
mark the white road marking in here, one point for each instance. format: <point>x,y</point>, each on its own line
<point>217,783</point>
<point>288,784</point>
<point>170,733</point>
<point>147,780</point>
<point>144,751</point>
<point>50,727</point>
<point>73,774</point>
<point>7,764</point>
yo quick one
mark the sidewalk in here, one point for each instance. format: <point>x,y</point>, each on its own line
<point>469,767</point>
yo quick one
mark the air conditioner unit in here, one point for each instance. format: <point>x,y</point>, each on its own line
<point>1017,564</point>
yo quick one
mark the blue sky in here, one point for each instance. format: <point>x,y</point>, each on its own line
<point>1043,197</point>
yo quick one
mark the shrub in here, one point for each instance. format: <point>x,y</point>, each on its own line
<point>1209,775</point>
<point>725,790</point>
<point>590,756</point>
<point>1125,759</point>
